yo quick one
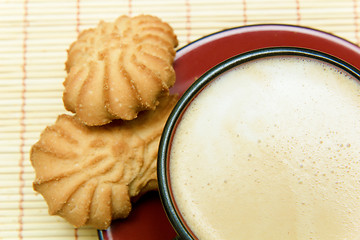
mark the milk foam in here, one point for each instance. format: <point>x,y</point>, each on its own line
<point>271,150</point>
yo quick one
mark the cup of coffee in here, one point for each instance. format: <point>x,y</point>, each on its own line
<point>265,145</point>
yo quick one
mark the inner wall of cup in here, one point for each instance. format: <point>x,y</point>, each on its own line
<point>176,218</point>
<point>178,221</point>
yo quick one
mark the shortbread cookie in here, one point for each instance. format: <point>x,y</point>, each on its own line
<point>89,175</point>
<point>118,69</point>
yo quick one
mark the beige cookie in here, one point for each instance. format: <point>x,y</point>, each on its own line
<point>118,69</point>
<point>89,175</point>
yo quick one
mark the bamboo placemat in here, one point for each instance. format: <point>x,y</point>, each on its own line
<point>34,36</point>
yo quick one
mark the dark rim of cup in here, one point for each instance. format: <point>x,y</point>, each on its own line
<point>166,195</point>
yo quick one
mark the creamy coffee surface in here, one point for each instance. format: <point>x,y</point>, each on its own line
<point>271,150</point>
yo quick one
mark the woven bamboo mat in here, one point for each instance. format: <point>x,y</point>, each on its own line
<point>34,36</point>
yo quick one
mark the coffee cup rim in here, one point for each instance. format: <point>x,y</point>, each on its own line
<point>195,88</point>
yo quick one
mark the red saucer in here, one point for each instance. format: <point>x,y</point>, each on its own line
<point>148,220</point>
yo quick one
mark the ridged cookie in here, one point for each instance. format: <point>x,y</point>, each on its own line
<point>118,69</point>
<point>89,175</point>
